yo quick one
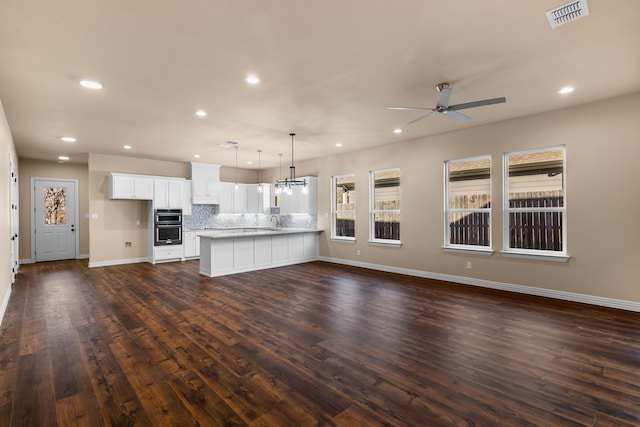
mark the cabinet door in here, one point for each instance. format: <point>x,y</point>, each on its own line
<point>175,194</point>
<point>226,197</point>
<point>120,187</point>
<point>253,196</point>
<point>186,198</point>
<point>240,199</point>
<point>123,186</point>
<point>143,188</point>
<point>161,194</point>
<point>189,243</point>
<point>307,203</point>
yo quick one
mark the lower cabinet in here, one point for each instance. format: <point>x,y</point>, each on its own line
<point>233,255</point>
<point>167,253</point>
<point>191,244</point>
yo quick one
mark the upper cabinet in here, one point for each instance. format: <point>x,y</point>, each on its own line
<point>300,201</point>
<point>258,202</point>
<point>245,199</point>
<point>129,186</point>
<point>167,193</point>
<point>205,183</point>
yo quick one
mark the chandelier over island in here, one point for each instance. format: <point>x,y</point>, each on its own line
<point>285,185</point>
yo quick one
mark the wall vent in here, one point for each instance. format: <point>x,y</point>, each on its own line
<point>567,13</point>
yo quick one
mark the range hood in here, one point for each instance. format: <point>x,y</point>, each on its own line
<point>205,183</point>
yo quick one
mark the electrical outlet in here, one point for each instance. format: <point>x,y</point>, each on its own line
<point>469,265</point>
<point>358,252</point>
<point>137,222</point>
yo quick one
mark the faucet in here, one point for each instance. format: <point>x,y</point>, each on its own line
<point>277,220</point>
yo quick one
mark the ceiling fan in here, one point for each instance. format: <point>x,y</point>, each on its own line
<point>443,106</point>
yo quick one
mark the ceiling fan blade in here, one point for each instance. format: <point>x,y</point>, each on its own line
<point>408,108</point>
<point>424,116</point>
<point>477,103</point>
<point>445,96</point>
<point>456,115</point>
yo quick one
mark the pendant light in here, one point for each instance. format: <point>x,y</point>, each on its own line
<point>236,187</point>
<point>259,182</point>
<point>278,190</point>
<point>287,183</point>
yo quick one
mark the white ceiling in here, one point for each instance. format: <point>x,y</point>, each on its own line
<point>328,70</point>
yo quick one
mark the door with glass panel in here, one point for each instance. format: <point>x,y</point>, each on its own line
<point>55,221</point>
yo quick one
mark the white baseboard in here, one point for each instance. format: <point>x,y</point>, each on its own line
<point>26,261</point>
<point>529,290</point>
<point>83,256</point>
<point>5,303</point>
<point>117,262</point>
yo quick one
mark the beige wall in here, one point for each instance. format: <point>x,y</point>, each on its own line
<point>603,203</point>
<point>116,221</point>
<point>8,150</point>
<point>42,169</point>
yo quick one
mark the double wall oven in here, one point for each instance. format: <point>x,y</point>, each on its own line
<point>167,227</point>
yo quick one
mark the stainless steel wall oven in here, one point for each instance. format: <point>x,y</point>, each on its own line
<point>167,227</point>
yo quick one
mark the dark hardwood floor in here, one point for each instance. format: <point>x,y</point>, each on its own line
<point>311,344</point>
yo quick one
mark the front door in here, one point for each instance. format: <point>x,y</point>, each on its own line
<point>55,221</point>
<point>13,220</point>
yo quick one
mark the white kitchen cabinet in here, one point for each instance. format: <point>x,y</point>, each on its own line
<point>205,179</point>
<point>167,253</point>
<point>205,192</point>
<point>187,208</point>
<point>167,193</point>
<point>226,198</point>
<point>232,200</point>
<point>258,202</point>
<point>191,244</point>
<point>130,186</point>
<point>298,202</point>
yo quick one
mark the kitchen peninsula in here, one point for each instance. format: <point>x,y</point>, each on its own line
<point>237,250</point>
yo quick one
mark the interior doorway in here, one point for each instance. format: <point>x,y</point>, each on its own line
<point>54,221</point>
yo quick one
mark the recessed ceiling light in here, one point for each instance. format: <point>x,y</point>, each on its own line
<point>127,147</point>
<point>63,158</point>
<point>339,144</point>
<point>249,162</point>
<point>567,89</point>
<point>252,80</point>
<point>397,131</point>
<point>91,84</point>
<point>197,156</point>
<point>68,139</point>
<point>201,113</point>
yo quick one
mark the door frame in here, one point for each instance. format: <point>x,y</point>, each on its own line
<point>32,211</point>
<point>14,220</point>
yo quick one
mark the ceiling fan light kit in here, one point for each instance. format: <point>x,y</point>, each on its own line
<point>444,108</point>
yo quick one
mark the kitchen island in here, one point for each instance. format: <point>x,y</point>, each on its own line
<point>236,250</point>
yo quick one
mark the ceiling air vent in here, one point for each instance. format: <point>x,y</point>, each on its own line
<point>567,13</point>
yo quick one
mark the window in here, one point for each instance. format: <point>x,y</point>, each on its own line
<point>468,203</point>
<point>343,207</point>
<point>55,205</point>
<point>384,199</point>
<point>534,202</point>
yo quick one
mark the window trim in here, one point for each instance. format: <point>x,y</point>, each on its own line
<point>335,212</point>
<point>462,248</point>
<point>533,254</point>
<point>372,211</point>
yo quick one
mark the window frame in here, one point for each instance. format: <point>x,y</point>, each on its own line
<point>466,248</point>
<point>335,211</point>
<point>537,254</point>
<point>373,211</point>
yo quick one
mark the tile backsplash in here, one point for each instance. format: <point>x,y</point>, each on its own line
<point>207,216</point>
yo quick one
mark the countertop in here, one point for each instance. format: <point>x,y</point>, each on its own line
<point>225,233</point>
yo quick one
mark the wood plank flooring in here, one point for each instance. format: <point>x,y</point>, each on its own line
<point>305,345</point>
